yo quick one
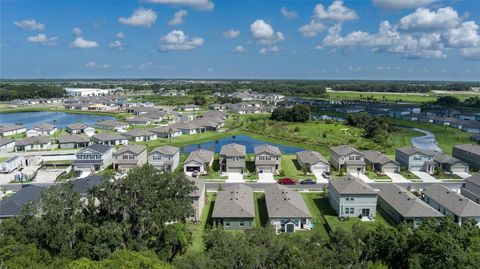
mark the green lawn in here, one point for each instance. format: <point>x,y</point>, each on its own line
<point>392,97</point>
<point>198,229</point>
<point>409,175</point>
<point>185,140</point>
<point>292,169</point>
<point>318,223</point>
<point>372,175</point>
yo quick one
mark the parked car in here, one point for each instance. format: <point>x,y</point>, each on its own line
<point>287,181</point>
<point>307,181</point>
<point>326,175</point>
<point>195,174</point>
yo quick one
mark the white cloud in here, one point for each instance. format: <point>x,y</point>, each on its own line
<point>264,33</point>
<point>424,20</point>
<point>77,31</point>
<point>239,49</point>
<point>81,43</point>
<point>43,39</point>
<point>268,49</point>
<point>400,4</point>
<point>197,4</point>
<point>105,66</point>
<point>178,40</point>
<point>471,53</point>
<point>312,29</point>
<point>178,17</point>
<point>117,44</point>
<point>145,66</point>
<point>30,24</point>
<point>120,35</point>
<point>140,17</point>
<point>232,33</point>
<point>288,14</point>
<point>466,35</point>
<point>335,12</point>
<point>91,65</point>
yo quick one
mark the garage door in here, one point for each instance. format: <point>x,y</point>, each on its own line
<point>264,169</point>
<point>459,170</point>
<point>415,168</point>
<point>389,169</point>
<point>193,168</point>
<point>235,170</point>
<point>318,169</point>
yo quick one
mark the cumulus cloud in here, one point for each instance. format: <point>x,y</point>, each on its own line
<point>81,43</point>
<point>391,5</point>
<point>335,12</point>
<point>312,29</point>
<point>140,17</point>
<point>466,35</point>
<point>29,24</point>
<point>91,64</point>
<point>117,44</point>
<point>471,53</point>
<point>120,35</point>
<point>43,40</point>
<point>424,20</point>
<point>269,49</point>
<point>264,33</point>
<point>178,17</point>
<point>232,33</point>
<point>178,40</point>
<point>77,31</point>
<point>239,49</point>
<point>288,14</point>
<point>197,4</point>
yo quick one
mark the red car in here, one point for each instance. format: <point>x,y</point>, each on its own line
<point>287,181</point>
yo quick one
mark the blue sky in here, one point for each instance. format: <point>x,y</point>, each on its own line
<point>376,39</point>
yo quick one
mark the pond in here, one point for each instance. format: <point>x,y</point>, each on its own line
<point>248,142</point>
<point>60,119</point>
<point>425,142</point>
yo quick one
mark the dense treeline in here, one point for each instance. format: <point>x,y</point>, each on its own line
<point>452,101</point>
<point>297,113</point>
<point>10,92</point>
<point>399,87</point>
<point>376,128</point>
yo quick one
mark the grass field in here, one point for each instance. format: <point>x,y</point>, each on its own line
<point>392,97</point>
<point>291,168</point>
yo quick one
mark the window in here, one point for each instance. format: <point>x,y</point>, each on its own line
<point>417,158</point>
<point>242,223</point>
<point>227,223</point>
<point>351,158</point>
<point>358,158</point>
<point>350,198</point>
<point>349,211</point>
<point>125,157</point>
<point>235,159</point>
<point>157,157</point>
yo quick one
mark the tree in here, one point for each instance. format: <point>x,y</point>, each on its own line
<point>447,101</point>
<point>200,100</point>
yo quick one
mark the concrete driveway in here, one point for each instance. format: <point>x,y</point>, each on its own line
<point>265,178</point>
<point>235,178</point>
<point>48,175</point>
<point>320,178</point>
<point>425,177</point>
<point>397,178</point>
<point>362,176</point>
<point>463,175</point>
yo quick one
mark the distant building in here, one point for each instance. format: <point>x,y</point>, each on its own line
<point>110,139</point>
<point>7,143</point>
<point>77,128</point>
<point>469,153</point>
<point>42,129</point>
<point>11,129</point>
<point>33,143</point>
<point>86,92</point>
<point>72,141</point>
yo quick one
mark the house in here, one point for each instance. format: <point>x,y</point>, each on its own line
<point>415,159</point>
<point>166,131</point>
<point>267,159</point>
<point>348,158</point>
<point>189,108</point>
<point>313,161</point>
<point>165,158</point>
<point>403,206</point>
<point>110,139</point>
<point>451,203</point>
<point>469,153</point>
<point>198,198</point>
<point>232,158</point>
<point>42,129</point>
<point>450,164</point>
<point>352,197</point>
<point>198,161</point>
<point>82,186</point>
<point>143,110</point>
<point>12,206</point>
<point>471,188</point>
<point>139,121</point>
<point>380,163</point>
<point>7,143</point>
<point>12,164</point>
<point>129,157</point>
<point>217,107</point>
<point>11,129</point>
<point>188,128</point>
<point>470,126</point>
<point>286,209</point>
<point>234,208</point>
<point>112,125</point>
<point>138,135</point>
<point>77,128</point>
<point>34,143</point>
<point>94,158</point>
<point>72,141</point>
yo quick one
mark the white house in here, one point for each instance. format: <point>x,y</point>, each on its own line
<point>84,92</point>
<point>11,129</point>
<point>42,129</point>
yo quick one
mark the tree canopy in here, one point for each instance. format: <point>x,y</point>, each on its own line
<point>298,113</point>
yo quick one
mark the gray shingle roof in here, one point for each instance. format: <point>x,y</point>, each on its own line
<point>406,203</point>
<point>5,141</point>
<point>111,123</point>
<point>135,149</point>
<point>164,129</point>
<point>269,149</point>
<point>138,119</point>
<point>10,127</point>
<point>97,147</point>
<point>377,157</point>
<point>474,180</point>
<point>77,126</point>
<point>410,150</point>
<point>200,186</point>
<point>311,157</point>
<point>442,158</point>
<point>108,137</point>
<point>343,150</point>
<point>71,138</point>
<point>44,127</point>
<point>167,150</point>
<point>472,148</point>
<point>12,205</point>
<point>84,185</point>
<point>351,185</point>
<point>233,149</point>
<point>454,202</point>
<point>283,202</point>
<point>138,132</point>
<point>234,202</point>
<point>201,156</point>
<point>33,140</point>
